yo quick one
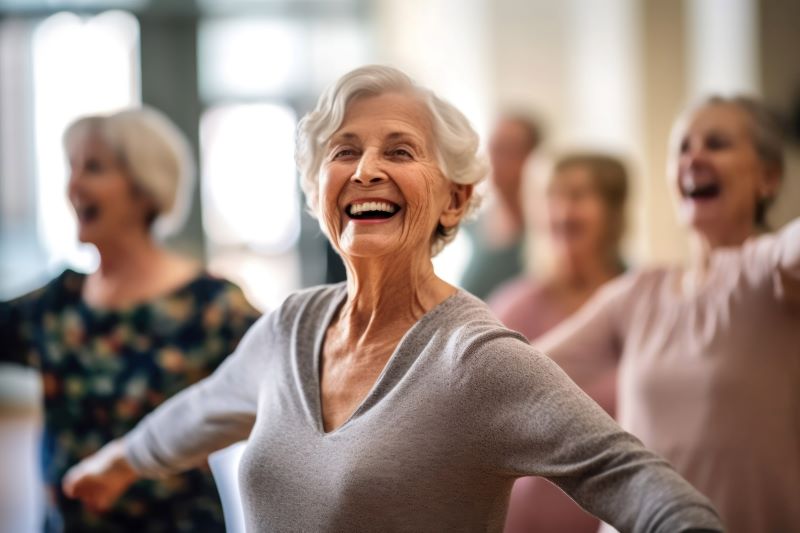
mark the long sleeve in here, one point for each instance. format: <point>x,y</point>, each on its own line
<point>788,260</point>
<point>538,422</point>
<point>587,346</point>
<point>205,417</point>
<point>20,380</point>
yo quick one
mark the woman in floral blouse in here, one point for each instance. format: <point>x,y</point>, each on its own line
<point>114,344</point>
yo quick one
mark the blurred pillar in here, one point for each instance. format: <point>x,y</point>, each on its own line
<point>169,83</point>
<point>779,32</point>
<point>664,81</point>
<point>722,39</point>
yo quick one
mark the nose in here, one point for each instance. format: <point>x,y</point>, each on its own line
<point>692,157</point>
<point>369,170</point>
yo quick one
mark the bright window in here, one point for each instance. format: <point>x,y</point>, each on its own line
<point>80,66</point>
<point>249,186</point>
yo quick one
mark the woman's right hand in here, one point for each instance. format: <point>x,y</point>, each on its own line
<point>100,479</point>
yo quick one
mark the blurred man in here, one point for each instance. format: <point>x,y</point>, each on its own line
<point>497,235</point>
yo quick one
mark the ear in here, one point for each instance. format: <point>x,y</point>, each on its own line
<point>770,182</point>
<point>460,196</point>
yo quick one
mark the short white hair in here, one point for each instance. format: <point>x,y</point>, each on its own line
<point>455,141</point>
<point>153,151</point>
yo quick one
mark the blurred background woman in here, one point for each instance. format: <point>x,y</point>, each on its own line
<point>114,344</point>
<point>708,353</point>
<point>578,222</point>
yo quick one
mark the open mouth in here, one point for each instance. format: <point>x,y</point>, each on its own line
<point>87,213</point>
<point>372,210</point>
<point>702,192</point>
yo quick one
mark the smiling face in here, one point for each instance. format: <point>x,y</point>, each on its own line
<point>718,174</point>
<point>381,190</point>
<point>577,218</point>
<point>105,199</point>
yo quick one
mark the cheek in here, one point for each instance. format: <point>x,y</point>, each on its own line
<point>594,215</point>
<point>328,189</point>
<point>427,195</point>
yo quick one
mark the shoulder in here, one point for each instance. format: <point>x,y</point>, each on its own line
<point>513,292</point>
<point>64,289</point>
<point>209,288</point>
<point>485,357</point>
<point>637,282</point>
<point>312,300</point>
<point>468,329</point>
<point>305,310</point>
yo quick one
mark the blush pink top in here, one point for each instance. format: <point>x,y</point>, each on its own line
<point>536,505</point>
<point>710,380</point>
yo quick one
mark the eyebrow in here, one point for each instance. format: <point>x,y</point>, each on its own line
<point>395,135</point>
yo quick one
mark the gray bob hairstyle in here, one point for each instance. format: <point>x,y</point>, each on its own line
<point>456,141</point>
<point>155,154</point>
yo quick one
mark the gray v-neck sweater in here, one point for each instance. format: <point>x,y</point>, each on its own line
<point>462,408</point>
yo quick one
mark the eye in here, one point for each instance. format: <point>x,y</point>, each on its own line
<point>94,165</point>
<point>401,153</point>
<point>343,153</point>
<point>684,146</point>
<point>717,142</point>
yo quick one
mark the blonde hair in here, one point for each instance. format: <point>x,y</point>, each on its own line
<point>155,154</point>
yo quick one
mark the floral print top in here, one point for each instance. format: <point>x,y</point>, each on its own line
<point>104,370</point>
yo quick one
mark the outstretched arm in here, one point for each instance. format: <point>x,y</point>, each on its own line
<point>788,246</point>
<point>539,423</point>
<point>179,435</point>
<point>587,346</point>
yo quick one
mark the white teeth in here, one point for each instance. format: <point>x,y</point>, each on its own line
<point>372,206</point>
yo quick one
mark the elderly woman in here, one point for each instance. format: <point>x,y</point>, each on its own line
<point>708,358</point>
<point>578,217</point>
<point>112,345</point>
<point>394,401</point>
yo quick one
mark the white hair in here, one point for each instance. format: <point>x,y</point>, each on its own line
<point>154,152</point>
<point>456,142</point>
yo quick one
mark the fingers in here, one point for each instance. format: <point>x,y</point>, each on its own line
<point>100,479</point>
<point>70,482</point>
<point>91,490</point>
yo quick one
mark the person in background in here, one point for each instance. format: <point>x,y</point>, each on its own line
<point>708,353</point>
<point>393,401</point>
<point>578,223</point>
<point>112,345</point>
<point>497,235</point>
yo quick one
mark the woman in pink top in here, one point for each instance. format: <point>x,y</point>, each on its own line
<point>580,221</point>
<point>708,355</point>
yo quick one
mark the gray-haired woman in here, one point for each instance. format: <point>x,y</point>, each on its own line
<point>708,353</point>
<point>394,401</point>
<point>112,345</point>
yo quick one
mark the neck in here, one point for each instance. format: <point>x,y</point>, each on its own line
<point>128,256</point>
<point>585,272</point>
<point>385,296</point>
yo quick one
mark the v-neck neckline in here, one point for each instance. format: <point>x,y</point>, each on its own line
<point>315,382</point>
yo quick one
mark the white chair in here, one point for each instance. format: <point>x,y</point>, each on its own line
<point>225,469</point>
